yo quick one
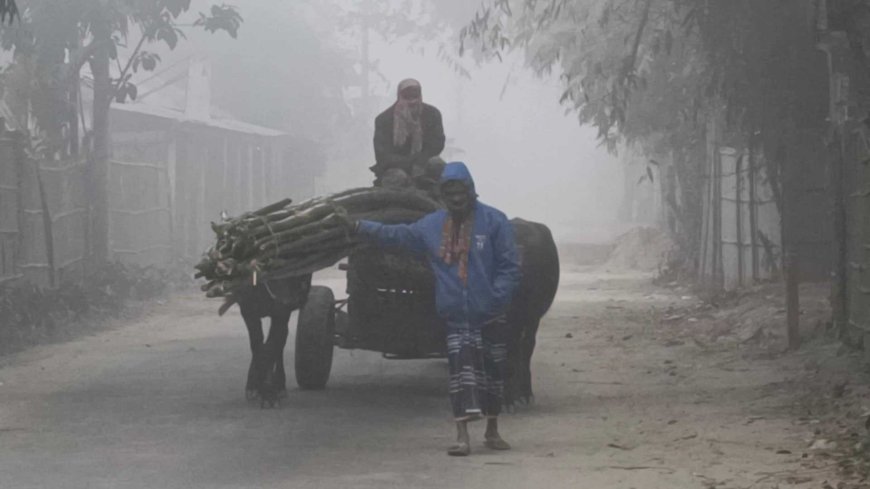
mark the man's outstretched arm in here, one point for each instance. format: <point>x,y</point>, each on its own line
<point>406,236</point>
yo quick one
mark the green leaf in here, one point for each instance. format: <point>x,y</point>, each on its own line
<point>171,38</point>
<point>150,62</point>
<point>222,18</point>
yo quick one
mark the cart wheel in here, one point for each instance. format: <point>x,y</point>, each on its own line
<point>314,339</point>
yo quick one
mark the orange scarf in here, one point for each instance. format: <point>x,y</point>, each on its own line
<point>456,243</point>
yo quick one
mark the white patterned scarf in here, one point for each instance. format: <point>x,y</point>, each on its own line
<point>406,118</point>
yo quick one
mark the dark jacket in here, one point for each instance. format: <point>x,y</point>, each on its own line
<point>493,262</point>
<point>389,156</point>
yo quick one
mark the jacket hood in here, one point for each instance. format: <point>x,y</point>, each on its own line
<point>456,170</point>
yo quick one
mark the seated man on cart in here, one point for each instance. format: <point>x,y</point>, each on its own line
<point>409,137</point>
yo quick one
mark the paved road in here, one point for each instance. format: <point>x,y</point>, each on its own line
<point>158,403</point>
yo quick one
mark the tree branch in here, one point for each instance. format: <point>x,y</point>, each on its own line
<point>130,61</point>
<point>80,56</point>
<point>632,58</point>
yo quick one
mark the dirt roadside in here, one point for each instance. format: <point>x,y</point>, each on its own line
<point>626,398</point>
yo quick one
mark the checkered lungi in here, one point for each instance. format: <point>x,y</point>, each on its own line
<point>477,358</point>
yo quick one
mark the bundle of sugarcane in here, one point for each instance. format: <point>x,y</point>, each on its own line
<point>285,240</point>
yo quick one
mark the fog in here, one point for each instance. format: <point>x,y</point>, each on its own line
<point>297,68</point>
<point>528,158</point>
<point>178,175</point>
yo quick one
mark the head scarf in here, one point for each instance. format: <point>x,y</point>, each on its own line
<point>406,118</point>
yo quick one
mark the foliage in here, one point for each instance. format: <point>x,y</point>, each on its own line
<point>656,73</point>
<point>55,39</point>
<point>222,18</point>
<point>608,53</point>
<point>633,69</point>
<point>29,312</point>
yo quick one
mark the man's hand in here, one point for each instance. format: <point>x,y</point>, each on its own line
<point>350,225</point>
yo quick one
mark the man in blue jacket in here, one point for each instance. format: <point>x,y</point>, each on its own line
<point>471,250</point>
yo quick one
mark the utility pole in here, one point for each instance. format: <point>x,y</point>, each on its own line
<point>98,166</point>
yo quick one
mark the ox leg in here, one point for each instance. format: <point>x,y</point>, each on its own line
<point>273,353</point>
<point>512,370</point>
<point>527,348</point>
<point>255,372</point>
<point>277,341</point>
<point>518,385</point>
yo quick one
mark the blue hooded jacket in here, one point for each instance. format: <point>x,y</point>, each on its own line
<point>493,262</point>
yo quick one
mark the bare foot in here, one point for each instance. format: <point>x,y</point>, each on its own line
<point>492,437</point>
<point>463,446</point>
<point>496,443</point>
<point>460,449</point>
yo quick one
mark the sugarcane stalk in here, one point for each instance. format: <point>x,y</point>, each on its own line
<point>387,198</point>
<point>246,220</point>
<point>318,200</point>
<point>270,240</point>
<point>283,240</point>
<point>310,264</point>
<point>374,213</point>
<point>307,241</point>
<point>272,207</point>
<point>360,202</point>
<point>332,244</point>
<point>390,216</point>
<point>305,217</point>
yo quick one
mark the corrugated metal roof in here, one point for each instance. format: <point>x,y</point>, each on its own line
<point>177,115</point>
<point>165,98</point>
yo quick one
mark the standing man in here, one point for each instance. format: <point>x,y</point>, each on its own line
<point>471,250</point>
<point>409,136</point>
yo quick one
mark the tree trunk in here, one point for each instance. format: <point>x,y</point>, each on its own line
<point>792,299</point>
<point>840,74</point>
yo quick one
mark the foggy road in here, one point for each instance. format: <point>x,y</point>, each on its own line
<point>159,403</point>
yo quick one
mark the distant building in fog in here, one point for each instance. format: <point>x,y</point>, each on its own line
<point>177,162</point>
